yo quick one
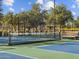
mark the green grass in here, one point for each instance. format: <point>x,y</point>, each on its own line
<point>33,51</point>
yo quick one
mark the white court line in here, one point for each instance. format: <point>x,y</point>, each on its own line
<point>18,54</point>
<point>43,46</point>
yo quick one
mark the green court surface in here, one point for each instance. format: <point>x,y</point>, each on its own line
<point>32,50</point>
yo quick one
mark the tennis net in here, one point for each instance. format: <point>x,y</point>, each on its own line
<point>28,37</point>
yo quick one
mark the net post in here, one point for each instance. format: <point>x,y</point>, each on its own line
<point>9,42</point>
<point>60,32</point>
<point>54,21</point>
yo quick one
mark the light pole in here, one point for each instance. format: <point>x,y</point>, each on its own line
<point>54,19</point>
<point>11,33</point>
<point>1,14</point>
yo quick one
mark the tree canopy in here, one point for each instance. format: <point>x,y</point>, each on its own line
<point>35,17</point>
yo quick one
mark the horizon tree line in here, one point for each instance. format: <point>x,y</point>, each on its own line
<point>35,18</point>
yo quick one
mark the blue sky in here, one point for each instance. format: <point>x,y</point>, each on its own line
<point>17,6</point>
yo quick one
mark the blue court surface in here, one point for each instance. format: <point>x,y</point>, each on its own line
<point>4,55</point>
<point>68,47</point>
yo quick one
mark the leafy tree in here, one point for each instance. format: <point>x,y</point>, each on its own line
<point>61,15</point>
<point>35,16</point>
<point>77,22</point>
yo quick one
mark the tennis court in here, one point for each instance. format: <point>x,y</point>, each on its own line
<point>64,49</point>
<point>68,47</point>
<point>51,48</point>
<point>4,55</point>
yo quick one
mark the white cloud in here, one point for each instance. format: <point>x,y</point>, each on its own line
<point>46,4</point>
<point>11,9</point>
<point>9,2</point>
<point>49,5</point>
<point>74,13</point>
<point>74,6</point>
<point>40,1</point>
<point>77,2</point>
